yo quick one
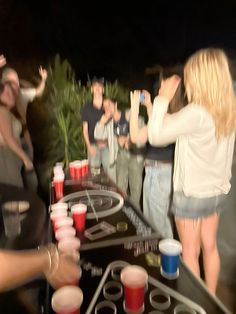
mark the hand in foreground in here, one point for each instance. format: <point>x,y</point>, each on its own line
<point>147,99</point>
<point>169,87</point>
<point>28,164</point>
<point>43,73</point>
<point>66,271</point>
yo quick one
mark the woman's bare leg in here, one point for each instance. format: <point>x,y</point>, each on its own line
<point>211,259</point>
<point>189,235</point>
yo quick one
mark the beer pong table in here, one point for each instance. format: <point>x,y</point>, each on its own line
<point>122,236</point>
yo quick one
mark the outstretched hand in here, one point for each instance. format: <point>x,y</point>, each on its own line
<point>67,271</point>
<point>169,87</point>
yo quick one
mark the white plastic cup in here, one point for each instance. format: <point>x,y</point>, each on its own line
<point>68,245</point>
<point>67,300</point>
<point>65,232</point>
<point>60,206</point>
<point>11,218</point>
<point>63,222</point>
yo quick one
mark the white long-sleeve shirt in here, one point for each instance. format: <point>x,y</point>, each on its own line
<point>202,163</point>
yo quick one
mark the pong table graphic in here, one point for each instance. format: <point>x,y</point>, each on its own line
<point>117,235</point>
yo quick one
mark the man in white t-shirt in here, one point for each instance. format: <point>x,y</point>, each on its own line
<point>26,96</point>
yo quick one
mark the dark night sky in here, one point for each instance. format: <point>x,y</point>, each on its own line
<point>117,44</point>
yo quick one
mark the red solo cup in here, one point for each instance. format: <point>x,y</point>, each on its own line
<point>72,169</point>
<point>60,206</point>
<point>58,185</point>
<point>134,279</point>
<point>79,216</point>
<point>63,222</point>
<point>65,232</point>
<point>67,300</point>
<point>84,167</point>
<point>78,169</point>
<point>68,245</point>
<point>55,215</point>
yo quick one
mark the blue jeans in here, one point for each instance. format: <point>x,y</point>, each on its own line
<point>157,188</point>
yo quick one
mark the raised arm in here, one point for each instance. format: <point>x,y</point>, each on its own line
<point>137,135</point>
<point>40,88</point>
<point>164,128</point>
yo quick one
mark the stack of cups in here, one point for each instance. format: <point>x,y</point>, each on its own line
<point>57,211</point>
<point>78,168</point>
<point>58,180</point>
<point>67,300</point>
<point>79,212</point>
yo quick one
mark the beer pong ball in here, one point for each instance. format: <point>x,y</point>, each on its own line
<point>65,232</point>
<point>69,244</point>
<point>134,279</point>
<point>63,222</point>
<point>67,300</point>
<point>60,206</point>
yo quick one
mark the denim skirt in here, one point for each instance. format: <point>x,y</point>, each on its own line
<point>194,208</point>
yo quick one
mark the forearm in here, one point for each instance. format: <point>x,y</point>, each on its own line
<point>27,139</point>
<point>137,135</point>
<point>86,139</point>
<point>40,88</point>
<point>19,267</point>
<point>155,121</point>
<point>149,109</point>
<point>16,148</point>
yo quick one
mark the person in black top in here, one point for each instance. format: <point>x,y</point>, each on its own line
<point>157,186</point>
<point>91,113</point>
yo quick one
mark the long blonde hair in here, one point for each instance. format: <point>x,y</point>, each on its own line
<point>208,83</point>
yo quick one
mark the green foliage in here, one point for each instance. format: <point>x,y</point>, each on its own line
<point>61,138</point>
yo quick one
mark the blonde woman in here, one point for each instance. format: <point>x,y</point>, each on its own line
<point>204,132</point>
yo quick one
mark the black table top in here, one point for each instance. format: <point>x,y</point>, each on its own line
<point>112,209</point>
<point>98,264</point>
